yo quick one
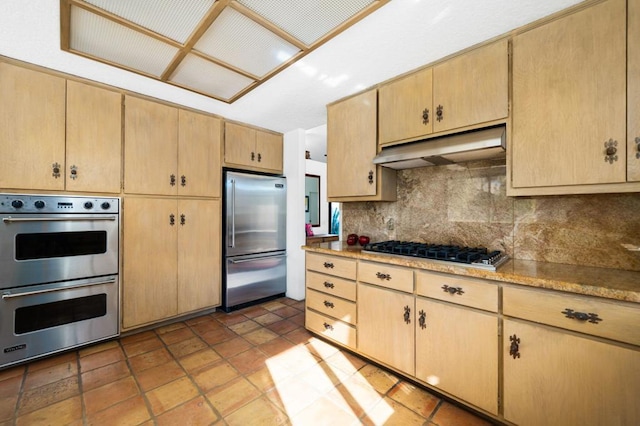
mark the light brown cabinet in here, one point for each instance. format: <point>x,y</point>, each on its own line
<point>170,151</point>
<point>351,147</point>
<point>171,252</point>
<point>633,91</point>
<point>467,90</point>
<point>569,109</point>
<point>246,147</point>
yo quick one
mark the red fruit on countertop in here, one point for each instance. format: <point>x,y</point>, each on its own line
<point>352,239</point>
<point>363,240</point>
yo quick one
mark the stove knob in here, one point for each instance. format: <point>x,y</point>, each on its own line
<point>105,205</point>
<point>39,204</point>
<point>17,204</point>
<point>88,205</point>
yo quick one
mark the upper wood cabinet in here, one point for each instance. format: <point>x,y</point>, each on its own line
<point>351,147</point>
<point>32,119</point>
<point>253,149</point>
<point>170,151</point>
<point>467,90</point>
<point>633,92</point>
<point>569,109</point>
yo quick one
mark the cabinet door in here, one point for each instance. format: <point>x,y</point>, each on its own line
<point>32,127</point>
<point>199,154</point>
<point>457,351</point>
<point>472,88</point>
<point>269,151</point>
<point>558,378</point>
<point>94,139</point>
<point>149,290</point>
<point>569,81</point>
<point>150,147</point>
<point>239,144</point>
<point>406,107</point>
<point>383,333</point>
<point>351,146</point>
<point>198,254</point>
<point>633,92</point>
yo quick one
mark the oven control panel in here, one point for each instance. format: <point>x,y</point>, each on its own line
<point>30,203</point>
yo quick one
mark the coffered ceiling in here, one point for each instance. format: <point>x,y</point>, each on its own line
<point>218,48</point>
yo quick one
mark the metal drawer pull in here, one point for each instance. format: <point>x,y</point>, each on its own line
<point>383,276</point>
<point>407,314</point>
<point>327,284</point>
<point>514,349</point>
<point>328,326</point>
<point>50,290</point>
<point>328,265</point>
<point>422,319</point>
<point>452,290</point>
<point>328,304</point>
<point>57,219</point>
<point>581,316</point>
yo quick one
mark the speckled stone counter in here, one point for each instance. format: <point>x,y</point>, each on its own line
<point>602,282</point>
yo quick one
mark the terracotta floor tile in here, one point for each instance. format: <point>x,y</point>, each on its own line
<point>299,335</point>
<point>230,319</point>
<point>159,375</point>
<point>194,412</point>
<point>286,312</point>
<point>451,415</point>
<point>267,377</point>
<point>253,311</point>
<point>354,396</point>
<point>259,412</point>
<point>299,304</point>
<point>414,398</point>
<point>216,375</point>
<point>10,386</point>
<point>282,327</point>
<point>64,412</point>
<point>50,374</point>
<point>137,337</point>
<point>148,360</point>
<point>260,336</point>
<point>276,346</point>
<point>287,301</point>
<point>389,412</point>
<point>233,395</point>
<point>248,361</point>
<point>199,360</point>
<point>171,395</point>
<point>273,305</point>
<point>293,395</point>
<point>323,412</point>
<point>177,335</point>
<point>205,326</point>
<point>244,327</point>
<point>320,348</point>
<point>100,359</point>
<point>169,328</point>
<point>296,359</point>
<point>48,394</point>
<point>219,335</point>
<point>198,320</point>
<point>12,372</point>
<point>187,347</point>
<point>323,377</point>
<point>268,318</point>
<point>378,378</point>
<point>68,357</point>
<point>110,394</point>
<point>232,347</point>
<point>8,407</point>
<point>103,375</point>
<point>142,346</point>
<point>298,319</point>
<point>99,347</point>
<point>346,362</point>
<point>133,411</point>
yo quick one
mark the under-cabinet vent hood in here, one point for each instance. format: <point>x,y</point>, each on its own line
<point>475,145</point>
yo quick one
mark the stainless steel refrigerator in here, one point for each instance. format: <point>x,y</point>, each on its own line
<point>255,239</point>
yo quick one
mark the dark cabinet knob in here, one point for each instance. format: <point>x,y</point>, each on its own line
<point>610,150</point>
<point>55,169</point>
<point>439,113</point>
<point>172,180</point>
<point>183,180</point>
<point>425,116</point>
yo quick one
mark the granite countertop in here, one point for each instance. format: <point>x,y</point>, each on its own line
<point>602,282</point>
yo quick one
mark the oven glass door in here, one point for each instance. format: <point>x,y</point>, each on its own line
<point>37,249</point>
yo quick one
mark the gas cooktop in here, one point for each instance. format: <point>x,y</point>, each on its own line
<point>472,257</point>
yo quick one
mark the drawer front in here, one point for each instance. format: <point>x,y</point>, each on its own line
<point>461,290</point>
<point>395,277</point>
<point>331,328</point>
<point>332,306</point>
<point>614,321</point>
<point>332,285</point>
<point>332,265</point>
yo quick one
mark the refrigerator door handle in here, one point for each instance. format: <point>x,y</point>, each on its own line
<point>256,258</point>
<point>233,214</point>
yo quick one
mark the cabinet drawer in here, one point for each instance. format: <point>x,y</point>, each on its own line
<point>461,290</point>
<point>332,265</point>
<point>332,306</point>
<point>331,328</point>
<point>332,285</point>
<point>615,321</point>
<point>395,277</point>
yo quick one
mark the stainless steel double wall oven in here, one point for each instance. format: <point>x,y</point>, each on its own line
<point>58,273</point>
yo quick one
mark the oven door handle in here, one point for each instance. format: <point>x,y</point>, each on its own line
<point>57,219</point>
<point>49,290</point>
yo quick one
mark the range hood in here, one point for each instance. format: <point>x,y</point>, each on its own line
<point>482,144</point>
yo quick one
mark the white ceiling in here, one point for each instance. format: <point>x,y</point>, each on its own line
<point>401,36</point>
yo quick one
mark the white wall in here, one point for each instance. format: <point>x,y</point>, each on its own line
<point>317,168</point>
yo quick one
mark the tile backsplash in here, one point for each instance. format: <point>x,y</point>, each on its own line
<point>466,204</point>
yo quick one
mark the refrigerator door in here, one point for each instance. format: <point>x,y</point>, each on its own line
<point>254,277</point>
<point>255,213</point>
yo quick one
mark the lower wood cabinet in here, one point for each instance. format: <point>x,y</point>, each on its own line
<point>171,252</point>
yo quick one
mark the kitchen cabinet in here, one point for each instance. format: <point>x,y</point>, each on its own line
<point>633,91</point>
<point>169,151</point>
<point>351,147</point>
<point>569,108</point>
<point>252,149</point>
<point>466,90</point>
<point>171,258</point>
<point>32,119</point>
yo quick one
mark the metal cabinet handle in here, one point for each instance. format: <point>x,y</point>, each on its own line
<point>514,349</point>
<point>439,113</point>
<point>637,147</point>
<point>55,170</point>
<point>422,319</point>
<point>425,116</point>
<point>9,295</point>
<point>253,156</point>
<point>183,219</point>
<point>172,180</point>
<point>610,151</point>
<point>327,284</point>
<point>370,177</point>
<point>452,290</point>
<point>383,276</point>
<point>259,157</point>
<point>581,316</point>
<point>172,219</point>
<point>328,304</point>
<point>407,314</point>
<point>183,180</point>
<point>328,326</point>
<point>73,172</point>
<point>328,265</point>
